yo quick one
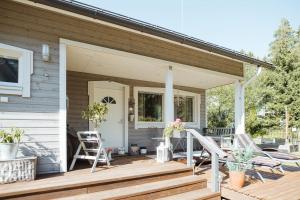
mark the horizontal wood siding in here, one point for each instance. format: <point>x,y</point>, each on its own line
<point>77,92</point>
<point>49,25</point>
<point>41,137</point>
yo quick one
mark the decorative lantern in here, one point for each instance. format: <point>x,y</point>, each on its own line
<point>162,153</point>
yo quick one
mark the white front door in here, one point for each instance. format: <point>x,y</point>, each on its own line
<point>112,130</point>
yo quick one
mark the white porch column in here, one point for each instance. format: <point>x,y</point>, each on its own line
<point>239,108</point>
<point>169,100</point>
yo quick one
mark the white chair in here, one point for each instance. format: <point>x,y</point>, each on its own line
<point>91,144</point>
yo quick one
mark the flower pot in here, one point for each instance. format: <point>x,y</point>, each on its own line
<point>237,179</point>
<point>8,151</point>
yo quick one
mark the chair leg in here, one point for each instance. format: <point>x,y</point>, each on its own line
<point>297,163</point>
<point>260,176</point>
<point>96,160</point>
<point>75,157</point>
<point>281,169</point>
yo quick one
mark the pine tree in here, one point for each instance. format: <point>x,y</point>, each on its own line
<point>280,87</point>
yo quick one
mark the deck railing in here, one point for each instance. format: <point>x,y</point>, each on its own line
<point>191,134</point>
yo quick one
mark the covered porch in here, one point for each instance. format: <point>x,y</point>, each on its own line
<point>145,93</point>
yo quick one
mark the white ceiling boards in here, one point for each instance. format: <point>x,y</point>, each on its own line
<point>99,60</point>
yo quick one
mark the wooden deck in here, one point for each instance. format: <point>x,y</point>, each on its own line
<point>276,187</point>
<point>132,171</point>
<point>121,168</point>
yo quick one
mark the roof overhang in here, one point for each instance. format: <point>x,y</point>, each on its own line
<point>92,59</point>
<point>95,13</point>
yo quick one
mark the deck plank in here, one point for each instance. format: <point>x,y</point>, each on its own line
<point>124,168</point>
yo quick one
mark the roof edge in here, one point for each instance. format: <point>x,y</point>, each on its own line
<point>138,25</point>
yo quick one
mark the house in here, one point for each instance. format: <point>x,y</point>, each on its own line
<point>59,56</point>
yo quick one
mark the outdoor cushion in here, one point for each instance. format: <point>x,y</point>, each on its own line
<point>283,156</point>
<point>264,161</point>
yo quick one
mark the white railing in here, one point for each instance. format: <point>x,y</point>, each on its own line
<point>192,133</point>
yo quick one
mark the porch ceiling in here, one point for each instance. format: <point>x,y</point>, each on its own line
<point>109,62</point>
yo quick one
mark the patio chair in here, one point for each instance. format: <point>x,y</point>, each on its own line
<point>209,145</point>
<point>244,140</point>
<point>91,144</point>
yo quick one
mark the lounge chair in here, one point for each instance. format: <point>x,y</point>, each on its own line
<point>209,145</point>
<point>244,140</point>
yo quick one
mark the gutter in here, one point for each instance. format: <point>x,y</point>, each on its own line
<point>138,25</point>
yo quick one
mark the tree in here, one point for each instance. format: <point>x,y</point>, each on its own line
<point>220,106</point>
<point>281,87</point>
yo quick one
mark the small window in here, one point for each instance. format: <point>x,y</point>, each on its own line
<point>16,67</point>
<point>150,107</point>
<point>183,108</point>
<point>109,100</point>
<point>9,70</point>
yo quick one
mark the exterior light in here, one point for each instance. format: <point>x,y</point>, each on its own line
<point>45,52</point>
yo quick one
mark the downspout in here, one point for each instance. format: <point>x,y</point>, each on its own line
<point>258,72</point>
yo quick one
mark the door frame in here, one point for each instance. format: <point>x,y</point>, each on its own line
<point>113,85</point>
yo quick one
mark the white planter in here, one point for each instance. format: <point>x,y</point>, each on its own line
<point>8,151</point>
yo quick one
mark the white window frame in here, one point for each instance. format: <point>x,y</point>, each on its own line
<point>25,69</point>
<point>196,107</point>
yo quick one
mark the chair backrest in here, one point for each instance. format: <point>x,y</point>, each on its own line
<point>215,146</point>
<point>92,137</point>
<point>245,141</point>
<point>206,143</point>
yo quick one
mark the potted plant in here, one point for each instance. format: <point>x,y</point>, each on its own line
<point>95,113</point>
<point>9,143</point>
<point>176,126</point>
<point>238,165</point>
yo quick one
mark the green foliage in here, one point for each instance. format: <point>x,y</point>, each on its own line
<point>241,160</point>
<point>96,113</point>
<point>281,87</point>
<point>271,91</point>
<point>12,136</point>
<point>220,106</point>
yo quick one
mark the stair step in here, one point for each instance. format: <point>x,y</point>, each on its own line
<point>200,194</point>
<point>151,190</point>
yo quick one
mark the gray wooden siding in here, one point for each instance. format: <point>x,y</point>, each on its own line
<point>41,136</point>
<point>77,92</point>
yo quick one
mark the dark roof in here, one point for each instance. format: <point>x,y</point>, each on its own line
<point>118,19</point>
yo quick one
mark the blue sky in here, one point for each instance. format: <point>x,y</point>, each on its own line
<point>235,24</point>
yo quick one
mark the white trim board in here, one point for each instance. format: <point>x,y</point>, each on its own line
<point>63,105</point>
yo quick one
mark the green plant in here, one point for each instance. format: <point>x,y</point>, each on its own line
<point>96,113</point>
<point>240,160</point>
<point>12,136</point>
<point>177,125</point>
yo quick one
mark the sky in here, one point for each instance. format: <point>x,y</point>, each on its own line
<point>235,24</point>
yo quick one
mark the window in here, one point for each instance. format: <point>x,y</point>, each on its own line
<point>109,100</point>
<point>150,107</point>
<point>9,70</point>
<point>184,108</point>
<point>15,70</point>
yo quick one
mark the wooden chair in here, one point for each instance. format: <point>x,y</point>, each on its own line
<point>91,144</point>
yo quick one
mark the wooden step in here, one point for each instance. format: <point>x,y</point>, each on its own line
<point>151,190</point>
<point>55,188</point>
<point>200,194</point>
